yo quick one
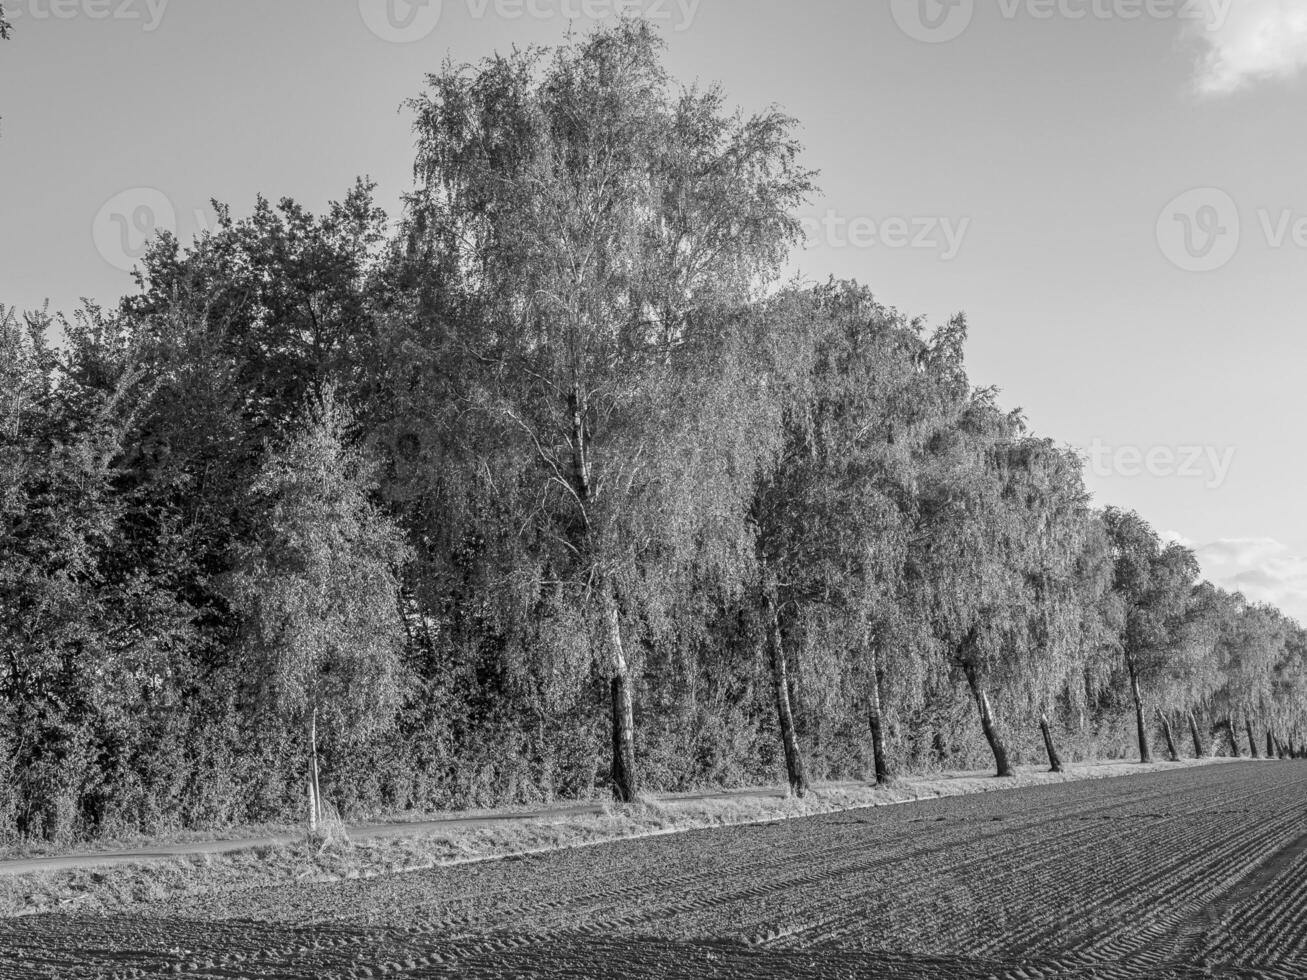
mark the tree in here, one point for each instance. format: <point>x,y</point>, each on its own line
<point>1192,673</point>
<point>280,301</point>
<point>319,589</point>
<point>1069,577</point>
<point>619,478</point>
<point>1254,643</point>
<point>1288,685</point>
<point>1151,583</point>
<point>55,514</point>
<point>832,510</point>
<point>580,236</point>
<point>1003,569</point>
<point>87,629</point>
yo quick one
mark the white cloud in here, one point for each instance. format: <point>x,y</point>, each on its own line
<point>1175,537</point>
<point>1249,41</point>
<point>1263,569</point>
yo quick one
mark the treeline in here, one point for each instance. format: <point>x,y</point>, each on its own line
<point>551,486</point>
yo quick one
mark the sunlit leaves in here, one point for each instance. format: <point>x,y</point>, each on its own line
<point>318,589</point>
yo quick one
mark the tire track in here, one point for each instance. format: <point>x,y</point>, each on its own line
<point>1025,885</point>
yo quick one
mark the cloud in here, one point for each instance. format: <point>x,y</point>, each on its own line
<point>1249,41</point>
<point>1263,569</point>
<point>1175,537</point>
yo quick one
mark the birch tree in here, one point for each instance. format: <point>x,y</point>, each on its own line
<point>318,590</point>
<point>582,229</point>
<point>1004,568</point>
<point>832,512</point>
<point>1255,642</point>
<point>1152,583</point>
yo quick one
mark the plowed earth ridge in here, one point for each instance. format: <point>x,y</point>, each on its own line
<point>1182,874</point>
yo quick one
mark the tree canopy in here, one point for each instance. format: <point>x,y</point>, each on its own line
<point>553,487</point>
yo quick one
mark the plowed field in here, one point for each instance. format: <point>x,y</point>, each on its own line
<point>1191,873</point>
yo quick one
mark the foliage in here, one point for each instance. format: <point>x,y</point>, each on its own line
<point>444,484</point>
<point>317,586</point>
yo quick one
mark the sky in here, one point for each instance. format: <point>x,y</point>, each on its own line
<point>1112,191</point>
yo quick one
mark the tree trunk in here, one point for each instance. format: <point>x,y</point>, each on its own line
<point>996,745</point>
<point>1234,742</point>
<point>1166,733</point>
<point>1270,745</point>
<point>1145,751</point>
<point>877,725</point>
<point>938,749</point>
<point>1198,739</point>
<point>626,785</point>
<point>315,788</point>
<point>1054,762</point>
<point>798,780</point>
<point>1252,739</point>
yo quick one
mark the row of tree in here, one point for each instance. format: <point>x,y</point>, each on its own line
<point>553,486</point>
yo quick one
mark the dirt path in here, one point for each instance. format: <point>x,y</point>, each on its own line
<point>850,794</point>
<point>1097,879</point>
<point>365,831</point>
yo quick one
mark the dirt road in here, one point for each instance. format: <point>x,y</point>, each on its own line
<point>358,832</point>
<point>1162,875</point>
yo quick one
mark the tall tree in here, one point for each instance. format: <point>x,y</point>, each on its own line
<point>1255,642</point>
<point>1192,675</point>
<point>319,589</point>
<point>580,232</point>
<point>1152,584</point>
<point>1002,569</point>
<point>832,510</point>
<point>86,630</point>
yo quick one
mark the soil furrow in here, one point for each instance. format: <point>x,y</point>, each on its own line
<point>1116,880</point>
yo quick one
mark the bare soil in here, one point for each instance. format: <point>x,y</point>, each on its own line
<point>1192,873</point>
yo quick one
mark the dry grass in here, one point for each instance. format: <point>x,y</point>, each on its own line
<point>330,831</point>
<point>334,856</point>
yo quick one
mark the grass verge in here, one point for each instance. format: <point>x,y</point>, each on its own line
<point>124,887</point>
